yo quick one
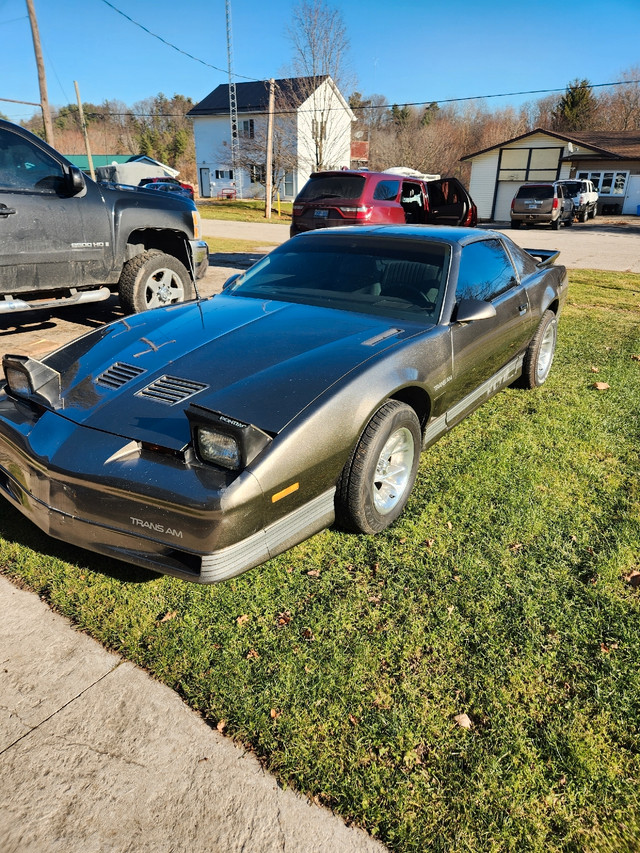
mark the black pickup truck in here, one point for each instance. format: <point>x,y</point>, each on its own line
<point>65,239</point>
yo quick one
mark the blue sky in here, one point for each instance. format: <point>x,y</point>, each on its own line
<point>408,50</point>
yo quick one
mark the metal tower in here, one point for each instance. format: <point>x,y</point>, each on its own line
<point>233,105</point>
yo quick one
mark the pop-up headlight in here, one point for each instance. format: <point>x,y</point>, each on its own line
<point>32,379</point>
<point>220,440</point>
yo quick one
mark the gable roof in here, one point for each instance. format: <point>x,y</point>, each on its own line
<point>253,97</point>
<point>613,145</point>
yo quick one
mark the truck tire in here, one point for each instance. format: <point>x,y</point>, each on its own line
<point>153,279</point>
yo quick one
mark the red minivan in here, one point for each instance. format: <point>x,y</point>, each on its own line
<point>329,199</point>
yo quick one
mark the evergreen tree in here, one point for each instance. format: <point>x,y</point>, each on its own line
<point>576,109</point>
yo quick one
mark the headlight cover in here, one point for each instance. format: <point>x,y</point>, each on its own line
<point>224,441</point>
<point>26,377</point>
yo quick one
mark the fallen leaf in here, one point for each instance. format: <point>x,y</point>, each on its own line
<point>450,610</point>
<point>274,714</point>
<point>515,547</point>
<point>606,649</point>
<point>595,369</point>
<point>635,357</point>
<point>307,633</point>
<point>169,616</point>
<point>449,525</point>
<point>457,578</point>
<point>429,542</point>
<point>252,654</point>
<point>314,573</point>
<point>601,386</point>
<point>242,619</point>
<point>353,720</point>
<point>463,721</point>
<point>222,725</point>
<point>284,618</point>
<point>633,578</point>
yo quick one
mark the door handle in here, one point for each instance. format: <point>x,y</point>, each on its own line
<point>523,308</point>
<point>5,211</point>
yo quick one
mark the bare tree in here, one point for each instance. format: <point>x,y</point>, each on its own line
<point>619,106</point>
<point>320,50</point>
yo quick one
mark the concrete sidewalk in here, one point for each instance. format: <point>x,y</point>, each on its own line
<point>97,757</point>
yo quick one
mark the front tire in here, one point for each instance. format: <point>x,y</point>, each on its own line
<point>378,478</point>
<point>153,280</point>
<point>540,352</point>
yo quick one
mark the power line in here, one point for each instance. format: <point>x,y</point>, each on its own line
<point>169,44</point>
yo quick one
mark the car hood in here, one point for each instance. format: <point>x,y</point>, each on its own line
<point>261,362</point>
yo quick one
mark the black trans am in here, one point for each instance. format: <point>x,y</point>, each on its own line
<point>204,438</point>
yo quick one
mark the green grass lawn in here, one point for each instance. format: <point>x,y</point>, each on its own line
<point>505,592</point>
<point>243,211</point>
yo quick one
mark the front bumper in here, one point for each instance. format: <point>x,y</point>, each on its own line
<point>152,510</point>
<point>200,255</point>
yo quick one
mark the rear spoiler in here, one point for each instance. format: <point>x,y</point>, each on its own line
<point>547,256</point>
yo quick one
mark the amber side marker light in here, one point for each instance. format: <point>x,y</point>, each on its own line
<point>283,494</point>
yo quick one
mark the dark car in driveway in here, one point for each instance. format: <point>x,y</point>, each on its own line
<point>331,199</point>
<point>202,439</point>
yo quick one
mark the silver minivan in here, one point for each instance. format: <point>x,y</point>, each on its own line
<point>542,204</point>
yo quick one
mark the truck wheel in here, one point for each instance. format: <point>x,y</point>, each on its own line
<point>556,223</point>
<point>377,480</point>
<point>584,215</point>
<point>515,223</point>
<point>153,280</point>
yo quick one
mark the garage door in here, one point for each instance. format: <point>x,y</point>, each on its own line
<point>506,192</point>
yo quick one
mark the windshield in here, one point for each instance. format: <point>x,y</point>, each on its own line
<point>538,191</point>
<point>332,186</point>
<point>573,187</point>
<point>388,277</point>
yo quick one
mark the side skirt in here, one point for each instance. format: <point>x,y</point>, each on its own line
<point>437,427</point>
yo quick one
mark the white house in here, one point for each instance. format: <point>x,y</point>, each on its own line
<point>318,119</point>
<point>610,159</point>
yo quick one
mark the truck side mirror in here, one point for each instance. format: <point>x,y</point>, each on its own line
<point>76,180</point>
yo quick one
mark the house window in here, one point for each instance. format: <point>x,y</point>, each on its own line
<point>318,128</point>
<point>288,184</point>
<point>607,183</point>
<point>247,130</point>
<point>258,174</point>
<point>224,174</point>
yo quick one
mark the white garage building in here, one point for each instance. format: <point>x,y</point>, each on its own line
<point>611,160</point>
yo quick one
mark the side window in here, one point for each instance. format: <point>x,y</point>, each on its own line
<point>26,168</point>
<point>524,263</point>
<point>386,190</point>
<point>485,271</point>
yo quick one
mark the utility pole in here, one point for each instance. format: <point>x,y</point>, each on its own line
<point>84,131</point>
<point>269,177</point>
<point>42,80</point>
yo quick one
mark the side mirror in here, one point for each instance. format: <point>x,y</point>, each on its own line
<point>230,281</point>
<point>76,180</point>
<point>470,310</point>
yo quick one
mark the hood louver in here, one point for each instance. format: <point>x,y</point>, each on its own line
<point>171,390</point>
<point>118,375</point>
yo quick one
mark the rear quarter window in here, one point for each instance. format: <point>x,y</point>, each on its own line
<point>386,191</point>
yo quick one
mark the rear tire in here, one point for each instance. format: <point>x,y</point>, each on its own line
<point>584,216</point>
<point>556,224</point>
<point>515,223</point>
<point>153,279</point>
<point>540,352</point>
<point>377,480</point>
